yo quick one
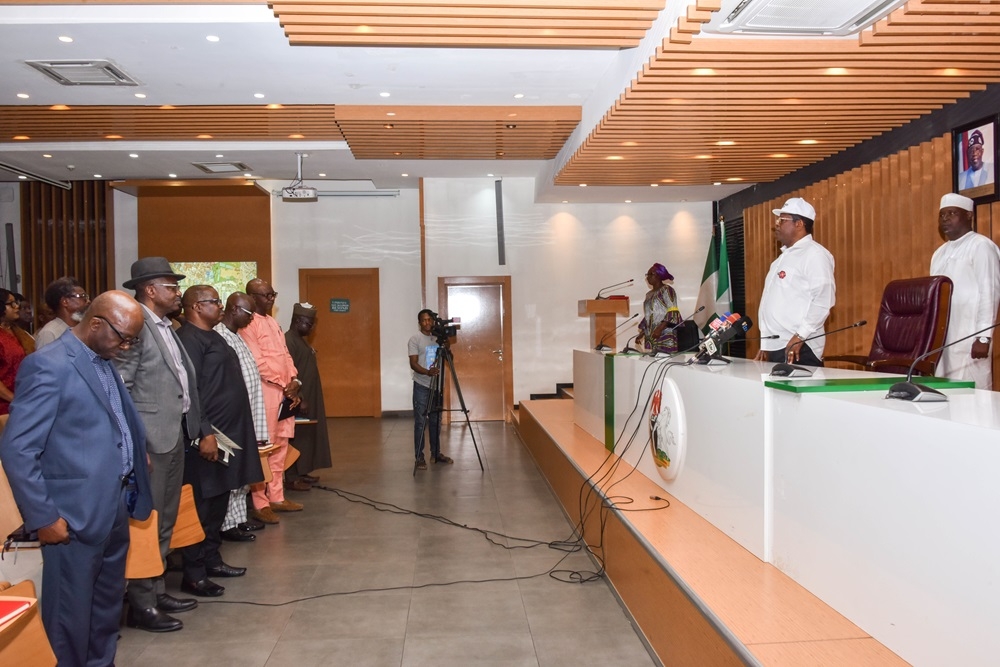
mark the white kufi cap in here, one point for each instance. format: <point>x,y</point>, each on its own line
<point>958,201</point>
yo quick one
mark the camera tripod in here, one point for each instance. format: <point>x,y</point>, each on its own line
<point>435,405</point>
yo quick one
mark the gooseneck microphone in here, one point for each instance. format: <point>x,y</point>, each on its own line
<point>601,346</point>
<point>605,289</point>
<point>688,318</point>
<point>790,370</point>
<point>909,391</point>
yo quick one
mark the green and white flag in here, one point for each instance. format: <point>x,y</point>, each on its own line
<point>714,294</point>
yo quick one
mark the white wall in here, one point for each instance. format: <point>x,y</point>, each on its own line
<point>557,255</point>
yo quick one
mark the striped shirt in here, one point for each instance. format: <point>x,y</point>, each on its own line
<point>251,376</point>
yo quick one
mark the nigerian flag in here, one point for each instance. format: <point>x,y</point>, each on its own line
<point>714,294</point>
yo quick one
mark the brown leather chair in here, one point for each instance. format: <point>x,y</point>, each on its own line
<point>912,320</point>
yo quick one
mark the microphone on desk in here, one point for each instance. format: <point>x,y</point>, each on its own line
<point>605,289</point>
<point>784,370</point>
<point>723,329</point>
<point>601,346</point>
<point>909,391</point>
<point>627,349</point>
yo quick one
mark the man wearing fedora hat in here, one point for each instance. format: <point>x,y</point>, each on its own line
<point>161,379</point>
<point>972,261</point>
<point>799,290</point>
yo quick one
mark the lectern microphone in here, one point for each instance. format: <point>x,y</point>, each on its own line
<point>601,346</point>
<point>909,391</point>
<point>784,370</point>
<point>605,289</point>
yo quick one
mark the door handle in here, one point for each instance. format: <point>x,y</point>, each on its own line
<point>497,351</point>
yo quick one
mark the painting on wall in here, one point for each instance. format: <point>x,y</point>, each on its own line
<point>974,149</point>
<point>225,277</point>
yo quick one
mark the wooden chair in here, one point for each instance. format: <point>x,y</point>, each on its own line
<point>23,641</point>
<point>912,320</point>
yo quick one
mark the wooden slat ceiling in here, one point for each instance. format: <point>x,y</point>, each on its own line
<point>169,123</point>
<point>731,109</point>
<point>611,24</point>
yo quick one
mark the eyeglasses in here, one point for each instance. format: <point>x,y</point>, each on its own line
<point>266,295</point>
<point>78,295</point>
<point>248,312</point>
<point>217,302</point>
<point>126,342</point>
<point>12,304</point>
<point>173,287</point>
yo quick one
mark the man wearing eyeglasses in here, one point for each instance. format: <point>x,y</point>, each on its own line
<point>279,380</point>
<point>799,289</point>
<point>74,452</point>
<point>162,381</point>
<point>67,301</point>
<point>211,472</point>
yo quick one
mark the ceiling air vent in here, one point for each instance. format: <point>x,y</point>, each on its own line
<point>83,72</point>
<point>798,17</point>
<point>222,167</point>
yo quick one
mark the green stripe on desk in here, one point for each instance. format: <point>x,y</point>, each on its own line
<point>881,383</point>
<point>609,402</point>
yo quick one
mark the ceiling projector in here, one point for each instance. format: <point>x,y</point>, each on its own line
<point>298,193</point>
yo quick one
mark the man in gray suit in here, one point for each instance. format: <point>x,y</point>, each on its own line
<point>162,382</point>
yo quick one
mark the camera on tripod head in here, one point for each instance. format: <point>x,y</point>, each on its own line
<point>443,329</point>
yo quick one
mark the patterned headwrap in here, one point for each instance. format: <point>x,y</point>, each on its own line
<point>661,272</point>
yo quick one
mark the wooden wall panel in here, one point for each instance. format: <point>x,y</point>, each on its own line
<point>202,226</point>
<point>879,221</point>
<point>65,232</point>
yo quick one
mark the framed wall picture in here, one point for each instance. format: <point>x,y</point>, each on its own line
<point>974,150</point>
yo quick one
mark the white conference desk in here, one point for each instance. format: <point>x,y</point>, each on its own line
<point>887,511</point>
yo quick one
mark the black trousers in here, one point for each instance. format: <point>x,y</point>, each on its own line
<point>806,356</point>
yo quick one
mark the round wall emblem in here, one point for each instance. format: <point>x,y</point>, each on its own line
<point>668,430</point>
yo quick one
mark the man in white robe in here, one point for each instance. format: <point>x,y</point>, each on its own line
<point>972,261</point>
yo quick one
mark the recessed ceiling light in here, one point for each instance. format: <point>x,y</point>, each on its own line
<point>112,136</point>
<point>628,201</point>
<point>259,96</point>
<point>296,136</point>
<point>565,201</point>
<point>59,107</point>
<point>204,136</point>
<point>388,126</point>
<point>396,153</point>
<point>384,94</point>
<point>614,157</point>
<point>511,126</point>
<point>654,185</point>
<point>703,71</point>
<point>97,175</point>
<point>21,137</point>
<point>212,38</point>
<point>779,155</point>
<point>219,155</point>
<point>23,178</point>
<point>133,155</point>
<point>717,183</point>
<point>734,179</point>
<point>583,185</point>
<point>141,96</point>
<point>46,155</point>
<point>390,113</point>
<point>273,106</point>
<point>322,175</point>
<point>725,143</point>
<point>500,153</point>
<point>630,143</point>
<point>64,38</point>
<point>809,142</point>
<point>518,96</point>
<point>667,180</point>
<point>702,157</point>
<point>405,175</point>
<point>489,175</point>
<point>248,175</point>
<point>23,96</point>
<point>172,175</point>
<point>836,71</point>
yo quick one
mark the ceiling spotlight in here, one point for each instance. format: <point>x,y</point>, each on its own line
<point>396,153</point>
<point>23,96</point>
<point>133,155</point>
<point>654,185</point>
<point>511,126</point>
<point>296,136</point>
<point>322,175</point>
<point>23,178</point>
<point>248,175</point>
<point>172,175</point>
<point>717,183</point>
<point>405,175</point>
<point>219,155</point>
<point>204,136</point>
<point>390,113</point>
<point>725,143</point>
<point>21,137</point>
<point>583,185</point>
<point>212,38</point>
<point>388,126</point>
<point>112,136</point>
<point>565,201</point>
<point>518,96</point>
<point>384,94</point>
<point>97,175</point>
<point>46,155</point>
<point>808,142</point>
<point>489,175</point>
<point>628,201</point>
<point>259,96</point>
<point>141,96</point>
<point>64,38</point>
<point>273,106</point>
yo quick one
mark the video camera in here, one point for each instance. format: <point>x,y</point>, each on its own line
<point>443,329</point>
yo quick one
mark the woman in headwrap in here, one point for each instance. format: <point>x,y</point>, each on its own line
<point>660,312</point>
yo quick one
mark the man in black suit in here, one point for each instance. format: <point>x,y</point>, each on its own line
<point>74,452</point>
<point>162,382</point>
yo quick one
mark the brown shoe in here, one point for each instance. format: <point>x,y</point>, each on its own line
<point>312,479</point>
<point>264,515</point>
<point>298,485</point>
<point>287,506</point>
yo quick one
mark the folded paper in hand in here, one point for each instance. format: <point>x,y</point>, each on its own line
<point>226,446</point>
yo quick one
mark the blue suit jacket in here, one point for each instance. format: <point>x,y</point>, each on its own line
<point>60,448</point>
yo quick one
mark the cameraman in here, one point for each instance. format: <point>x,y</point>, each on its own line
<point>422,349</point>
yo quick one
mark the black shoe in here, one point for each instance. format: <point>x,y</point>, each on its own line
<point>172,605</point>
<point>205,588</point>
<point>237,535</point>
<point>226,570</point>
<point>252,524</point>
<point>152,620</point>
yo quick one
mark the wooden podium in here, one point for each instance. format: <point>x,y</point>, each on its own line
<point>603,318</point>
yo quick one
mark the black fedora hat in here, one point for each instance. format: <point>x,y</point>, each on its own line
<point>150,267</point>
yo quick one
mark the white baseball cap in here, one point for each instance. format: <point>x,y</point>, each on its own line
<point>797,206</point>
<point>958,201</point>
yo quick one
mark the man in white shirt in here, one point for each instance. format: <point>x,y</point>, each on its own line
<point>67,301</point>
<point>972,261</point>
<point>799,290</point>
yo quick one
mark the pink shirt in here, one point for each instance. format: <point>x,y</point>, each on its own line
<point>267,344</point>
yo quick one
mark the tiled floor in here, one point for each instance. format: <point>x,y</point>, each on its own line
<point>376,588</point>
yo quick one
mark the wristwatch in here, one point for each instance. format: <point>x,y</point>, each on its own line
<point>984,340</point>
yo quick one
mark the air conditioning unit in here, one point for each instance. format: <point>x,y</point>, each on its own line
<point>801,17</point>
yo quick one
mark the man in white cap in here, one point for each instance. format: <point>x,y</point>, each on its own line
<point>972,261</point>
<point>799,290</point>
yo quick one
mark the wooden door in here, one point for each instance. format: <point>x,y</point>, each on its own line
<point>482,348</point>
<point>346,338</point>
